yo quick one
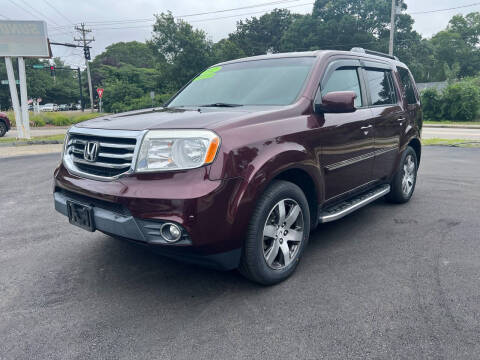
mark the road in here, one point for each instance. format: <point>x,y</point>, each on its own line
<point>427,133</point>
<point>390,281</point>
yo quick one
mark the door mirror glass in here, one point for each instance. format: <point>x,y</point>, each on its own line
<point>336,102</point>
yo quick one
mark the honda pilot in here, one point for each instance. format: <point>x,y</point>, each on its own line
<point>238,168</point>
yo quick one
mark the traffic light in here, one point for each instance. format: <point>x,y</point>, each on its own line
<point>52,70</point>
<point>86,52</point>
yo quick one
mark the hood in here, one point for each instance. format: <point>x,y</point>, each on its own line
<point>164,118</point>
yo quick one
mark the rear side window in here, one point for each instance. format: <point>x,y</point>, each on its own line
<point>380,84</point>
<point>345,79</point>
<point>408,86</point>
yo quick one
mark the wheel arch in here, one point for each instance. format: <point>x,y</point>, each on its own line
<point>417,146</point>
<point>304,181</point>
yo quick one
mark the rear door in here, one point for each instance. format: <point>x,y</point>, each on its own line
<point>388,116</point>
<point>346,139</point>
<point>411,96</point>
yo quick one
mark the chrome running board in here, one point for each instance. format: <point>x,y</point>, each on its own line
<point>340,210</point>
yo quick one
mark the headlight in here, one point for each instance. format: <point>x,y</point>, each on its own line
<point>65,144</point>
<point>177,150</point>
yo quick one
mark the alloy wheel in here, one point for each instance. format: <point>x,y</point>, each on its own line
<point>408,175</point>
<point>283,234</point>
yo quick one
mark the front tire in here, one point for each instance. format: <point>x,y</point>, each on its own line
<point>277,234</point>
<point>403,183</point>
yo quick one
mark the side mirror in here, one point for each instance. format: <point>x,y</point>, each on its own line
<point>335,102</point>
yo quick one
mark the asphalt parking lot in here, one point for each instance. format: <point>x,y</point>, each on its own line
<point>389,281</point>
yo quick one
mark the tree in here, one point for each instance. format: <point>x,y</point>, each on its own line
<point>343,24</point>
<point>134,53</point>
<point>257,36</point>
<point>225,50</point>
<point>181,51</point>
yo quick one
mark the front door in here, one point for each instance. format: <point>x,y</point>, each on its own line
<point>347,142</point>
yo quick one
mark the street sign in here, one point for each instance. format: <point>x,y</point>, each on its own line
<point>38,66</point>
<point>100,92</point>
<point>5,82</point>
<point>24,38</point>
<point>152,95</point>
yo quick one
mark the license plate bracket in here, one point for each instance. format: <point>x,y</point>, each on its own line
<point>81,215</point>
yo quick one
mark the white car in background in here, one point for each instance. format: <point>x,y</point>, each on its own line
<point>49,107</point>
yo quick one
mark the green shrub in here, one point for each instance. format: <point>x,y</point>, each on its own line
<point>461,101</point>
<point>84,117</point>
<point>36,121</point>
<point>58,119</point>
<point>55,118</point>
<point>431,104</point>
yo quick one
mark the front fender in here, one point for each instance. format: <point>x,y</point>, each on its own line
<point>258,174</point>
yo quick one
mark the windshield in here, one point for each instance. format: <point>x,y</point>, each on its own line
<point>258,82</point>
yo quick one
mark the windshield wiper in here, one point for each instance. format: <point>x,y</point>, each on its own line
<point>220,104</point>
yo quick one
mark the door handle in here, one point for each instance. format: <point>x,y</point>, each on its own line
<point>365,129</point>
<point>401,119</point>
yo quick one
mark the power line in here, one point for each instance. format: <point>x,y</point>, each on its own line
<point>112,22</point>
<point>438,10</point>
<point>239,8</point>
<point>24,9</point>
<point>5,17</point>
<point>194,21</point>
<point>41,14</point>
<point>57,11</point>
<point>246,14</point>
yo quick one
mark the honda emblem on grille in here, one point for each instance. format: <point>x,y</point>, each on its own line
<point>91,151</point>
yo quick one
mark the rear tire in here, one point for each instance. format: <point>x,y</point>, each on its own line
<point>277,234</point>
<point>403,183</point>
<point>3,128</point>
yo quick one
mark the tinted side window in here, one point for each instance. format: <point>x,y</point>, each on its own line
<point>344,80</point>
<point>408,86</point>
<point>380,84</point>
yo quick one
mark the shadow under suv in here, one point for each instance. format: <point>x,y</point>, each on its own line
<point>247,158</point>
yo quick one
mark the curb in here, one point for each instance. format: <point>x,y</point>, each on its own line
<point>451,126</point>
<point>33,142</point>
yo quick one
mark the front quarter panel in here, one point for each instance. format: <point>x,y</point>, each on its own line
<point>259,152</point>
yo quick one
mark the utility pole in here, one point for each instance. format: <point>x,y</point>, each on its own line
<point>86,51</point>
<point>392,27</point>
<point>82,104</point>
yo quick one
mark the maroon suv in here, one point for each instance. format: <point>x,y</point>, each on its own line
<point>244,161</point>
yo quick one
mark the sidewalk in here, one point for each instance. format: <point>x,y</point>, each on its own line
<point>40,131</point>
<point>9,151</point>
<point>453,126</point>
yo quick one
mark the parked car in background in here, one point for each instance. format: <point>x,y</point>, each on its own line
<point>247,158</point>
<point>63,107</point>
<point>4,124</point>
<point>49,107</point>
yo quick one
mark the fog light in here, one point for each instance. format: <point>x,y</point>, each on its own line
<point>171,232</point>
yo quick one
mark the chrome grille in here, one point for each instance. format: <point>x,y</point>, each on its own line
<point>114,155</point>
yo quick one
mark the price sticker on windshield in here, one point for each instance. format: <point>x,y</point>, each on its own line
<point>209,73</point>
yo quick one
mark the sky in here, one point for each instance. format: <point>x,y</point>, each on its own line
<point>127,20</point>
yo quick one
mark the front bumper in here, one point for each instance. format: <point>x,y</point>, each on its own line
<point>134,207</point>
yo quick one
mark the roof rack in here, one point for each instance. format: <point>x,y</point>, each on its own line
<point>371,52</point>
